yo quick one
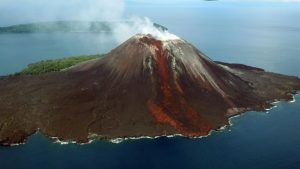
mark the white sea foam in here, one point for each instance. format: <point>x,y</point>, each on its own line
<point>62,142</point>
<point>268,109</point>
<point>293,100</point>
<point>14,144</point>
<point>117,140</point>
<point>89,142</point>
<point>222,128</point>
<point>121,139</point>
<point>230,119</point>
<point>276,101</point>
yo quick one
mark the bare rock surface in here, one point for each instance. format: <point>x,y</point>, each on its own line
<point>144,87</point>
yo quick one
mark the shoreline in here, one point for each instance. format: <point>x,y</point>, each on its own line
<point>95,137</point>
<point>220,129</point>
<point>294,98</point>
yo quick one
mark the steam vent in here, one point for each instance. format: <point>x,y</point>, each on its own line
<point>144,87</point>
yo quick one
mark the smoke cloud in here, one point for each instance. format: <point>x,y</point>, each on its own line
<point>111,11</point>
<point>123,31</point>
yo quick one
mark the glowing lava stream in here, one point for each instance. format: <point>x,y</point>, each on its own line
<point>172,108</point>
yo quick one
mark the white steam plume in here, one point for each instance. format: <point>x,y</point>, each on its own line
<point>124,30</point>
<point>111,11</point>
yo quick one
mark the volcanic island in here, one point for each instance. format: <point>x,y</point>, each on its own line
<point>144,87</point>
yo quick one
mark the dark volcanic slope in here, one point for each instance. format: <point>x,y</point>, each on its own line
<point>143,87</point>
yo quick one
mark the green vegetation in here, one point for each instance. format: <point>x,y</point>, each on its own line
<point>55,65</point>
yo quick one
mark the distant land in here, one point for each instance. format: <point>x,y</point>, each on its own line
<point>144,87</point>
<point>65,27</point>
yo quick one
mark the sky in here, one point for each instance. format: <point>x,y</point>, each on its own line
<point>24,11</point>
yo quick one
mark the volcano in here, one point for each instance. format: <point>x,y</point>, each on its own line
<point>144,87</point>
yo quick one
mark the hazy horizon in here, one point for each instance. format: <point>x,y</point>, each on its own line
<point>28,11</point>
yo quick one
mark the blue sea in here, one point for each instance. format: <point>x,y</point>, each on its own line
<point>265,35</point>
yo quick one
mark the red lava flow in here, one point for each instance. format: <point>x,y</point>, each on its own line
<point>173,108</point>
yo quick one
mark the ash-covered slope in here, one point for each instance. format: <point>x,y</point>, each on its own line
<point>143,87</point>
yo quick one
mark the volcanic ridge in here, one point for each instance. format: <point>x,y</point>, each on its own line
<point>144,87</point>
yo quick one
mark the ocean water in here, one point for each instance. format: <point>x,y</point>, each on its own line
<point>262,35</point>
<point>19,50</point>
<point>255,141</point>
